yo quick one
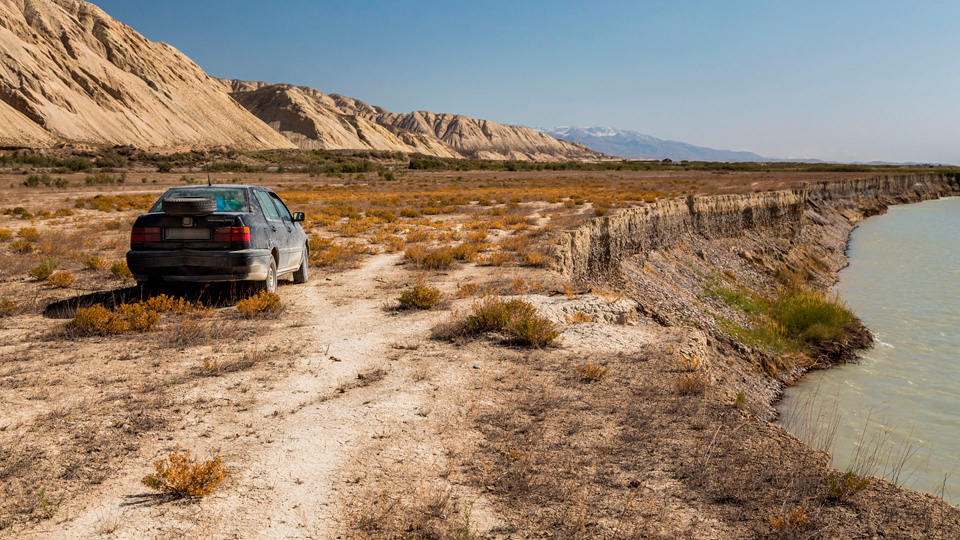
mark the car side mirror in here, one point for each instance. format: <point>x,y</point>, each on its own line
<point>298,217</point>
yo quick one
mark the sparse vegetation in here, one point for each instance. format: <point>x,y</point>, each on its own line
<point>261,305</point>
<point>692,384</point>
<point>845,485</point>
<point>61,279</point>
<point>121,271</point>
<point>100,321</point>
<point>591,372</point>
<point>44,270</point>
<point>180,475</point>
<point>420,297</point>
<point>516,319</point>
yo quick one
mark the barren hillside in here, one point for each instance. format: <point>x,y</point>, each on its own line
<point>69,71</point>
<point>313,120</point>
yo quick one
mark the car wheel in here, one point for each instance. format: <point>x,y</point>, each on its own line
<point>269,284</point>
<point>303,273</point>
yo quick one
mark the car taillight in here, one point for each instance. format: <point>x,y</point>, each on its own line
<point>231,234</point>
<point>145,234</point>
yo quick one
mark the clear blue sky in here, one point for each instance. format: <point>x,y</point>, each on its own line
<point>837,80</point>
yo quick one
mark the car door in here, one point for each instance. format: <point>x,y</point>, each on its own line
<point>295,236</point>
<point>276,231</point>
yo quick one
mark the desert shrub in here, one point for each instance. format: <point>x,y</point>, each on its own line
<point>788,525</point>
<point>689,363</point>
<point>180,475</point>
<point>100,321</point>
<point>61,279</point>
<point>5,234</point>
<point>394,243</point>
<point>430,259</point>
<point>96,321</point>
<point>262,304</point>
<point>691,384</point>
<point>8,307</point>
<point>515,318</point>
<point>30,234</point>
<point>846,485</point>
<point>467,251</point>
<point>44,270</point>
<point>591,372</point>
<point>20,211</point>
<point>93,262</point>
<point>579,317</point>
<point>535,258</point>
<point>420,297</point>
<point>340,255</point>
<point>138,317</point>
<point>811,317</point>
<point>163,303</point>
<point>740,401</point>
<point>120,270</point>
<point>498,259</point>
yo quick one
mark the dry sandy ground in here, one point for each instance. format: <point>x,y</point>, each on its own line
<point>364,399</point>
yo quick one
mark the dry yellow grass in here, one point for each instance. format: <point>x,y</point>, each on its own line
<point>180,475</point>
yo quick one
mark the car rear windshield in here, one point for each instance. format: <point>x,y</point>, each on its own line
<point>228,199</point>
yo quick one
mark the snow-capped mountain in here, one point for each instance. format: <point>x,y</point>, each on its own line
<point>634,145</point>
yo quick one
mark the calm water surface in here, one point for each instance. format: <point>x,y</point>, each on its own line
<point>896,413</point>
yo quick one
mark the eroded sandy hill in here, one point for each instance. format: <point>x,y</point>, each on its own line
<point>313,120</point>
<point>69,71</point>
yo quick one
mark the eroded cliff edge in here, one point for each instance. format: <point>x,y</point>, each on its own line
<point>705,263</point>
<point>600,245</point>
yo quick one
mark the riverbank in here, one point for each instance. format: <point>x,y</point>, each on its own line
<point>702,263</point>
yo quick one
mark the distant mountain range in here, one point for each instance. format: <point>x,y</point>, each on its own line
<point>634,145</point>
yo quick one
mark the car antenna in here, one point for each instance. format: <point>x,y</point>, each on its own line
<point>208,180</point>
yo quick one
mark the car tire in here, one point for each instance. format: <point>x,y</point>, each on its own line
<point>189,206</point>
<point>302,274</point>
<point>269,284</point>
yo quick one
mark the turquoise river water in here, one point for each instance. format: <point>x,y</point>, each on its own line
<point>895,413</point>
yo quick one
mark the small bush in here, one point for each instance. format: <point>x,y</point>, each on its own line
<point>846,485</point>
<point>44,270</point>
<point>120,270</point>
<point>61,279</point>
<point>692,384</point>
<point>436,259</point>
<point>591,372</point>
<point>100,321</point>
<point>5,234</point>
<point>30,233</point>
<point>689,363</point>
<point>94,263</point>
<point>420,297</point>
<point>21,246</point>
<point>164,304</point>
<point>180,475</point>
<point>579,317</point>
<point>812,317</point>
<point>138,317</point>
<point>515,318</point>
<point>787,525</point>
<point>498,259</point>
<point>262,304</point>
<point>96,321</point>
<point>740,401</point>
<point>8,307</point>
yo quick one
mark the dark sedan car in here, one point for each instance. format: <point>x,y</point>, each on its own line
<point>219,233</point>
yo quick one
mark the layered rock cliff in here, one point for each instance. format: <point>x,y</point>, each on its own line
<point>314,120</point>
<point>600,245</point>
<point>70,72</point>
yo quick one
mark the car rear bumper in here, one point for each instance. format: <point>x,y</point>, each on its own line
<point>196,265</point>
